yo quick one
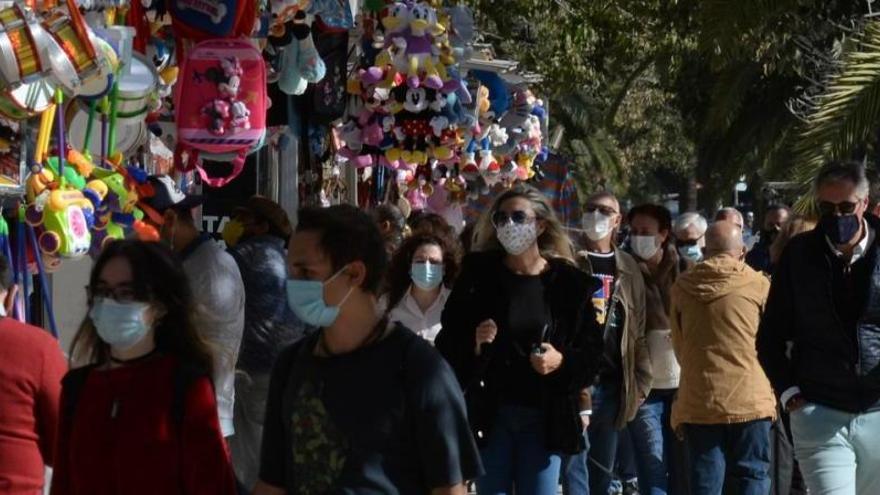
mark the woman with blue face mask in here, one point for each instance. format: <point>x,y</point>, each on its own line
<point>139,415</point>
<point>418,282</point>
<point>521,333</point>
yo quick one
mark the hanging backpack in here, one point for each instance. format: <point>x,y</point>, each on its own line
<point>199,20</point>
<point>220,106</point>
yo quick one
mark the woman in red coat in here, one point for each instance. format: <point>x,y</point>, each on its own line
<point>140,418</point>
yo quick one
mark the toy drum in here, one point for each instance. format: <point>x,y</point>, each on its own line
<point>136,88</point>
<point>20,42</point>
<point>28,90</point>
<point>27,100</point>
<point>73,57</point>
<point>129,134</point>
<point>100,84</point>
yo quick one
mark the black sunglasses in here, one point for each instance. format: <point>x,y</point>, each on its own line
<point>687,243</point>
<point>842,208</point>
<point>605,210</point>
<point>518,217</point>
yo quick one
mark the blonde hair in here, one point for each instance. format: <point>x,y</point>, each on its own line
<point>794,226</point>
<point>553,242</point>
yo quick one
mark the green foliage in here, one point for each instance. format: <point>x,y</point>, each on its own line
<point>652,92</point>
<point>846,115</point>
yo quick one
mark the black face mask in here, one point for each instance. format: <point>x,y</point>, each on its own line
<point>769,235</point>
<point>840,229</point>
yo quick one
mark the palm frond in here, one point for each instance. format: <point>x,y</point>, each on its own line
<point>847,113</point>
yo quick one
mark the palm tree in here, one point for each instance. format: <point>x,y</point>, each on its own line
<point>846,115</point>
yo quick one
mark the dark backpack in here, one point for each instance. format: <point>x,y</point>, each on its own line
<point>184,376</point>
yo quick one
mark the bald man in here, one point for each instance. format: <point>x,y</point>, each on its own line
<point>732,215</point>
<point>725,405</point>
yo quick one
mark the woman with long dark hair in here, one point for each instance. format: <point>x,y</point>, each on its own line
<point>418,281</point>
<point>139,417</point>
<point>521,333</point>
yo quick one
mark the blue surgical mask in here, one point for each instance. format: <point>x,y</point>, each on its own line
<point>692,252</point>
<point>306,299</point>
<point>840,229</point>
<point>120,325</point>
<point>426,276</point>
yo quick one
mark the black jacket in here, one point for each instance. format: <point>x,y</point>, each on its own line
<point>479,295</point>
<point>269,323</point>
<point>834,363</point>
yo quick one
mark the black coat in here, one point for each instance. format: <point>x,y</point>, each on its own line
<point>833,363</point>
<point>479,295</point>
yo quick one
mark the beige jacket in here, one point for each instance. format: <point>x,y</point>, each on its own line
<point>715,311</point>
<point>629,290</point>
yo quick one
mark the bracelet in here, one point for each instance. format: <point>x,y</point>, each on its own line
<point>588,412</point>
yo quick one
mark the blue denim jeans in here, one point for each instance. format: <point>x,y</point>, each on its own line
<point>575,476</point>
<point>603,438</point>
<point>651,436</point>
<point>729,458</point>
<point>516,455</point>
<point>837,451</point>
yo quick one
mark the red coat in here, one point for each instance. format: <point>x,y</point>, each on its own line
<point>142,450</point>
<point>31,367</point>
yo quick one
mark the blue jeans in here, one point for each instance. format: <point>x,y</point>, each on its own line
<point>517,455</point>
<point>729,458</point>
<point>651,436</point>
<point>837,450</point>
<point>575,476</point>
<point>603,438</point>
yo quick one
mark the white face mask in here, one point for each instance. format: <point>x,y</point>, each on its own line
<point>517,238</point>
<point>596,225</point>
<point>644,246</point>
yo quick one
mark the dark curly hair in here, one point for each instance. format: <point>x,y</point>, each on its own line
<point>398,280</point>
<point>431,223</point>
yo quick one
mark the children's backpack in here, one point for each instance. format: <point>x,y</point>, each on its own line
<point>199,20</point>
<point>220,106</point>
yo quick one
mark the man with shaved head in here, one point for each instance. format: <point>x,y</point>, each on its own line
<point>725,405</point>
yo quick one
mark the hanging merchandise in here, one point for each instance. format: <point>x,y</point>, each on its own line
<point>220,106</point>
<point>329,93</point>
<point>200,20</point>
<point>300,62</point>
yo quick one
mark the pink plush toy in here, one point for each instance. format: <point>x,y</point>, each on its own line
<point>232,70</point>
<point>217,111</point>
<point>241,116</point>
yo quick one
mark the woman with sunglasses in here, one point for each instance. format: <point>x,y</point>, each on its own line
<point>140,417</point>
<point>418,281</point>
<point>521,333</point>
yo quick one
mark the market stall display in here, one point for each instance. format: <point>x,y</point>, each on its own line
<point>97,94</point>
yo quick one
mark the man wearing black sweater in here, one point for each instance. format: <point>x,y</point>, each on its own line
<point>819,339</point>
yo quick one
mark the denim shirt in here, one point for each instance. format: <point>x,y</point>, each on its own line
<point>270,325</point>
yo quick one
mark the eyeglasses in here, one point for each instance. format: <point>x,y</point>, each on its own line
<point>123,294</point>
<point>518,217</point>
<point>842,208</point>
<point>687,243</point>
<point>605,210</point>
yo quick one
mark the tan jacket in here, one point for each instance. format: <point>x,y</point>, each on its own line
<point>715,311</point>
<point>629,290</point>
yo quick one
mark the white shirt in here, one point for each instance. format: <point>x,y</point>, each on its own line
<point>425,324</point>
<point>860,248</point>
<point>859,251</point>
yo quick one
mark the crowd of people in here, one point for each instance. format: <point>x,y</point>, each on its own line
<point>370,353</point>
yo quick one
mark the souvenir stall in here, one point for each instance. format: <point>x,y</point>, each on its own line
<point>308,102</point>
<point>433,121</point>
